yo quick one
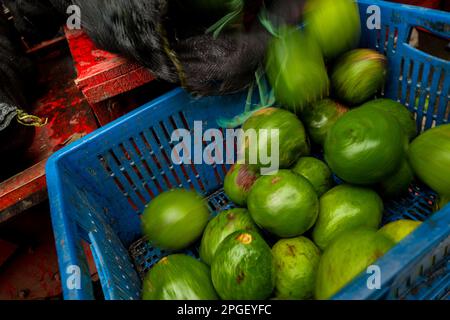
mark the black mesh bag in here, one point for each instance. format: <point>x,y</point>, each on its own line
<point>14,70</point>
<point>35,20</point>
<point>173,42</point>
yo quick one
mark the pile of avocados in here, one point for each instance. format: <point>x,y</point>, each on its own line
<point>305,230</point>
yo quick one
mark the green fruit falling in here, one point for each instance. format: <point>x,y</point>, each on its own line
<point>335,24</point>
<point>296,69</point>
<point>358,75</point>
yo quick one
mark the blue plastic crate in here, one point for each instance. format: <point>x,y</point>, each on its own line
<point>99,185</point>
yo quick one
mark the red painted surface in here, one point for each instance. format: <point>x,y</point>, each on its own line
<point>110,87</point>
<point>103,75</point>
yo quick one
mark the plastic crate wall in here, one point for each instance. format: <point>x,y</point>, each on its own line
<point>415,78</point>
<point>99,185</point>
<point>422,83</point>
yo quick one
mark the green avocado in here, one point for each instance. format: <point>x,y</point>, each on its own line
<point>284,204</point>
<point>358,75</point>
<point>365,146</point>
<point>175,219</point>
<point>222,226</point>
<point>324,17</point>
<point>346,207</point>
<point>399,111</point>
<point>178,277</point>
<point>296,69</point>
<point>316,172</point>
<point>400,229</point>
<point>320,117</point>
<point>238,182</point>
<point>296,262</point>
<point>429,157</point>
<point>243,267</point>
<point>346,257</point>
<point>278,128</point>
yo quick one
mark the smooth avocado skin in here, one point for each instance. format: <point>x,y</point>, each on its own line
<point>429,158</point>
<point>224,224</point>
<point>400,229</point>
<point>296,262</point>
<point>399,112</point>
<point>284,127</point>
<point>346,207</point>
<point>316,172</point>
<point>346,257</point>
<point>243,268</point>
<point>320,117</point>
<point>285,204</point>
<point>175,219</point>
<point>179,277</point>
<point>365,146</point>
